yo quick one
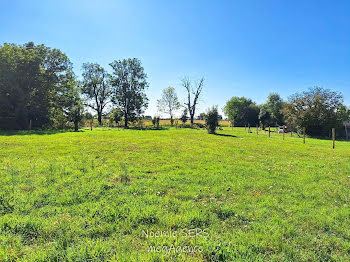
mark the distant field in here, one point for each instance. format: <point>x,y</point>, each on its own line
<point>164,122</point>
<point>92,196</point>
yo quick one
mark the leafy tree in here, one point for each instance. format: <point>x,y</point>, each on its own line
<point>169,103</point>
<point>212,119</point>
<point>196,92</point>
<point>71,103</point>
<point>158,121</point>
<point>242,111</point>
<point>117,116</point>
<point>264,117</point>
<point>184,116</point>
<point>76,114</point>
<point>33,81</point>
<point>201,116</point>
<point>274,105</point>
<point>96,88</point>
<point>318,110</point>
<point>129,84</point>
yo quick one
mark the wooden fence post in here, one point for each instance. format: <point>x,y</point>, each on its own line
<point>269,132</point>
<point>333,137</point>
<point>304,131</point>
<point>257,129</point>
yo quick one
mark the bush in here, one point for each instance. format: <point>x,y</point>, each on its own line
<point>155,122</point>
<point>212,119</point>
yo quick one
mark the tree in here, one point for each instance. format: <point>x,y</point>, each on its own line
<point>318,110</point>
<point>96,88</point>
<point>76,114</point>
<point>33,81</point>
<point>71,103</point>
<point>264,117</point>
<point>184,116</point>
<point>169,103</point>
<point>196,92</point>
<point>129,84</point>
<point>212,119</point>
<point>201,116</point>
<point>242,111</point>
<point>274,105</point>
<point>117,116</point>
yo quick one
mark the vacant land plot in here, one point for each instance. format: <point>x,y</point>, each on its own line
<point>106,195</point>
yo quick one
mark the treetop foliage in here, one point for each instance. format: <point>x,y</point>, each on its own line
<point>129,82</point>
<point>36,82</point>
<point>318,110</point>
<point>242,111</point>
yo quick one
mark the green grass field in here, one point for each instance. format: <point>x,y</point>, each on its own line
<point>92,196</point>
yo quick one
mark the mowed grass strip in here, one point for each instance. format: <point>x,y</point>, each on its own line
<point>90,195</point>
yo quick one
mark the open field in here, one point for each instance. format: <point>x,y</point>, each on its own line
<point>166,122</point>
<point>92,195</point>
<point>162,122</point>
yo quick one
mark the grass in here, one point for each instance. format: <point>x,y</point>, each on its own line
<point>92,196</point>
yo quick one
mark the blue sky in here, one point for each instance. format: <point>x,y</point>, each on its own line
<point>242,48</point>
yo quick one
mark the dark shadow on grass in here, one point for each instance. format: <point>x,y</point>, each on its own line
<point>37,132</point>
<point>339,139</point>
<point>148,128</point>
<point>227,135</point>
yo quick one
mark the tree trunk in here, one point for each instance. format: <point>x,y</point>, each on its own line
<point>171,121</point>
<point>126,121</point>
<point>192,118</point>
<point>76,126</point>
<point>99,118</point>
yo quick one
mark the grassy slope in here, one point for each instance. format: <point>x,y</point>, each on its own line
<point>62,198</point>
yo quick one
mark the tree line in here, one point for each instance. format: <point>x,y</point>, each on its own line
<point>317,110</point>
<point>38,89</point>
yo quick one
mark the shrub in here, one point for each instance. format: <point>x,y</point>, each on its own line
<point>184,116</point>
<point>212,119</point>
<point>155,121</point>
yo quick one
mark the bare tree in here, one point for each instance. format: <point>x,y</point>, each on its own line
<point>195,92</point>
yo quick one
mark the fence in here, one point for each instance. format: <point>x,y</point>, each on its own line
<point>291,133</point>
